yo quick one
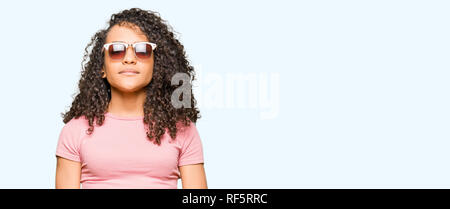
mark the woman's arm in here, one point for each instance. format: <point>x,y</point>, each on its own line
<point>68,174</point>
<point>193,176</point>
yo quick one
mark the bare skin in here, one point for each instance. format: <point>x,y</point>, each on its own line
<point>68,174</point>
<point>127,99</point>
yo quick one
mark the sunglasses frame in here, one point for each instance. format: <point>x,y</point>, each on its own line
<point>106,47</point>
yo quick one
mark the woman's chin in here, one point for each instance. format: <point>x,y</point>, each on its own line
<point>129,89</point>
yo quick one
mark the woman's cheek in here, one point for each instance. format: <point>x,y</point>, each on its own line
<point>148,77</point>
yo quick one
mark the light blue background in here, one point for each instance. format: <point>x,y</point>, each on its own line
<point>363,94</point>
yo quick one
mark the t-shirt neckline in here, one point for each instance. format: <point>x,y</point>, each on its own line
<point>108,114</point>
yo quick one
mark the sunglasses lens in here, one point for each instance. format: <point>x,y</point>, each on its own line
<point>143,50</point>
<point>116,51</point>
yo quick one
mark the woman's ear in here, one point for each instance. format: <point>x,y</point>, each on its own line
<point>103,72</point>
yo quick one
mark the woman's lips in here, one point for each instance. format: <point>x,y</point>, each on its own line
<point>129,72</point>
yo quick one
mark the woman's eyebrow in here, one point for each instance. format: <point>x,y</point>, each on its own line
<point>126,42</point>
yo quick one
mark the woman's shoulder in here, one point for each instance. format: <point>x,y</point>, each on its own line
<point>186,128</point>
<point>77,124</point>
<point>187,132</point>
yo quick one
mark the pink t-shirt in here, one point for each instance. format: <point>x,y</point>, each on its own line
<point>118,154</point>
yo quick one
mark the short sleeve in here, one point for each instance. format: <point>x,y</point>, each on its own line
<point>68,145</point>
<point>191,148</point>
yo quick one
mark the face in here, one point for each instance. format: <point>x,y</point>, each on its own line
<point>115,69</point>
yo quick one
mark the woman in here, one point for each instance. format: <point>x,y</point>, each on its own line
<point>122,130</point>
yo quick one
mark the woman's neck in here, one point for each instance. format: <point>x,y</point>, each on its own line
<point>127,104</point>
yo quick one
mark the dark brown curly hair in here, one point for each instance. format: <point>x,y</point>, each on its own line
<point>94,91</point>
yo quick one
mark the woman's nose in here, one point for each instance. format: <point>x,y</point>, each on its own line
<point>130,57</point>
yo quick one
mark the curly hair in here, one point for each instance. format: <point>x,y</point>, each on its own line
<point>169,58</point>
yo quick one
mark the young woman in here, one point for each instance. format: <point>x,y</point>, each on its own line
<point>122,130</point>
